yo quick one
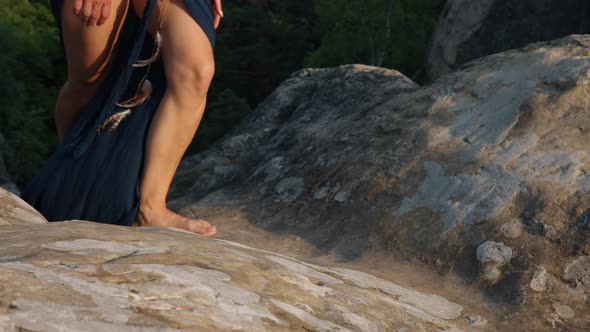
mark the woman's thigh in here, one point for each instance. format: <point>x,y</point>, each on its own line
<point>90,51</point>
<point>186,50</point>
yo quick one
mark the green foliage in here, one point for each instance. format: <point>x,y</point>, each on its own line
<point>259,46</point>
<point>385,33</point>
<point>31,68</point>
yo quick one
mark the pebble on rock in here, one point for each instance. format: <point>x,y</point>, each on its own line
<point>542,280</point>
<point>564,311</point>
<point>491,273</point>
<point>494,252</point>
<point>511,229</point>
<point>492,256</point>
<point>476,320</point>
<point>577,271</point>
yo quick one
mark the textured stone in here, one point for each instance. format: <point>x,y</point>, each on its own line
<point>79,275</point>
<point>491,274</point>
<point>289,188</point>
<point>228,172</point>
<point>476,320</point>
<point>15,211</point>
<point>370,161</point>
<point>578,271</point>
<point>467,30</point>
<point>484,118</point>
<point>494,252</point>
<point>564,311</point>
<point>542,280</point>
<point>512,229</point>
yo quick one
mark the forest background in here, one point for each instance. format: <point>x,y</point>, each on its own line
<point>259,44</point>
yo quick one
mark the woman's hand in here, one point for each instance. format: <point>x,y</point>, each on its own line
<point>218,12</point>
<point>93,11</point>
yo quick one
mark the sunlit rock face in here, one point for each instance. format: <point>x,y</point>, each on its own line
<point>15,211</point>
<point>84,276</point>
<point>358,158</point>
<point>467,29</point>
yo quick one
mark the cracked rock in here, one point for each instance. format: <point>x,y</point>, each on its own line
<point>494,252</point>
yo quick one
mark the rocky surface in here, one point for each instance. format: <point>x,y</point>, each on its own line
<point>15,211</point>
<point>84,276</point>
<point>467,29</point>
<point>357,159</point>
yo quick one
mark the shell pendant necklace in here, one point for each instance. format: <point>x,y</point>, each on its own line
<point>144,88</point>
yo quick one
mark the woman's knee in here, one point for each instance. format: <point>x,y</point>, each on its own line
<point>190,77</point>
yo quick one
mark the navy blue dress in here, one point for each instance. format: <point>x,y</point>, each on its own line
<point>96,176</point>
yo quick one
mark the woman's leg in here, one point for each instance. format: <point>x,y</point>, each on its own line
<point>89,53</point>
<point>189,67</point>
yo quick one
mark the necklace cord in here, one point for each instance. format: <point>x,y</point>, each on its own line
<point>154,47</point>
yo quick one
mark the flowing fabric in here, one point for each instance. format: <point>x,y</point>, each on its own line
<point>96,176</point>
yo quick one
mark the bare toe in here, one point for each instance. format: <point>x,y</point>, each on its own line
<point>165,217</point>
<point>199,226</point>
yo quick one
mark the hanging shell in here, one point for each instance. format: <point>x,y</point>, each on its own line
<point>113,121</point>
<point>145,91</point>
<point>155,56</point>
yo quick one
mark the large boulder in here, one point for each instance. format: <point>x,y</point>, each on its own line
<point>467,29</point>
<point>84,276</point>
<point>356,159</point>
<point>15,211</point>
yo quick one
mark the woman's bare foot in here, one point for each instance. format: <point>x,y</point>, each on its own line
<point>189,69</point>
<point>164,217</point>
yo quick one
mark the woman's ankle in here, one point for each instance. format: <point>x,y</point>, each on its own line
<point>148,206</point>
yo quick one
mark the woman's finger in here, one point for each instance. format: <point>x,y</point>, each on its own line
<point>106,12</point>
<point>96,13</point>
<point>216,21</point>
<point>77,7</point>
<point>218,7</point>
<point>218,13</point>
<point>86,10</point>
